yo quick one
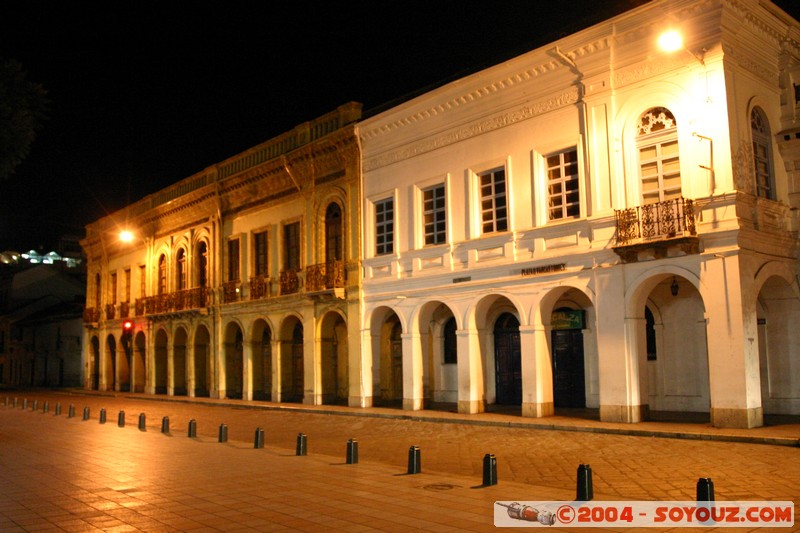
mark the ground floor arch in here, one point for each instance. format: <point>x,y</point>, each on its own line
<point>233,347</point>
<point>262,361</point>
<point>160,362</point>
<point>201,367</point>
<point>292,360</point>
<point>179,385</point>
<point>334,355</point>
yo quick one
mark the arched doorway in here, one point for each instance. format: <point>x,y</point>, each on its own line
<point>234,359</point>
<point>160,356</point>
<point>110,367</point>
<point>566,341</point>
<point>292,368</point>
<point>262,361</point>
<point>94,365</point>
<point>508,360</point>
<point>124,367</point>
<point>139,370</point>
<point>333,359</point>
<point>179,363</point>
<point>202,341</point>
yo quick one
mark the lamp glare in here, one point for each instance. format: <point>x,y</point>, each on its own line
<point>670,41</point>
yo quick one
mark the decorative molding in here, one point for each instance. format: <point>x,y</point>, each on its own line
<point>568,97</point>
<point>743,170</point>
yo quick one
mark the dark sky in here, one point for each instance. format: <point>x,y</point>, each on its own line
<point>145,93</point>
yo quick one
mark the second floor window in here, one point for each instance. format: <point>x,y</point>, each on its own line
<point>233,260</point>
<point>434,215</point>
<point>494,207</point>
<point>333,233</point>
<point>563,195</point>
<point>127,294</point>
<point>162,274</point>
<point>201,260</point>
<point>260,252</point>
<point>762,154</point>
<point>659,164</point>
<point>180,270</point>
<point>142,281</point>
<point>291,246</point>
<point>384,226</point>
<point>112,289</point>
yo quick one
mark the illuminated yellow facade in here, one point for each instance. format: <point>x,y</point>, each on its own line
<point>241,281</point>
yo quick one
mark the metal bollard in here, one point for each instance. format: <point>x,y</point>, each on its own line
<point>142,422</point>
<point>35,406</point>
<point>45,407</point>
<point>352,452</point>
<point>58,409</point>
<point>5,401</point>
<point>15,403</point>
<point>585,490</point>
<point>258,442</point>
<point>121,419</point>
<point>192,428</point>
<point>705,490</point>
<point>165,424</point>
<point>24,403</point>
<point>86,413</point>
<point>302,444</point>
<point>103,415</point>
<point>223,433</point>
<point>489,470</point>
<point>71,412</point>
<point>414,460</point>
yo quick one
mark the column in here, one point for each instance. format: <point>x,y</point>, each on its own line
<point>471,398</point>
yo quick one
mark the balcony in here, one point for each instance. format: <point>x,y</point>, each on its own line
<point>111,311</point>
<point>91,314</point>
<point>325,276</point>
<point>259,287</point>
<point>231,291</point>
<point>658,230</point>
<point>290,282</point>
<point>124,309</point>
<point>172,302</point>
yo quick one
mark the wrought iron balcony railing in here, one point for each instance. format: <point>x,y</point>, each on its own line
<point>290,282</point>
<point>172,302</point>
<point>259,287</point>
<point>124,309</point>
<point>325,276</point>
<point>111,311</point>
<point>231,291</point>
<point>658,221</point>
<point>91,314</point>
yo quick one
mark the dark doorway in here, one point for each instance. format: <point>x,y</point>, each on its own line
<point>507,360</point>
<point>397,363</point>
<point>569,385</point>
<point>297,364</point>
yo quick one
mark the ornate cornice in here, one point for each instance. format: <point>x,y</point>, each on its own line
<point>568,97</point>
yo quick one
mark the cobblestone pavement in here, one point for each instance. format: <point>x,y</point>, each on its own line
<point>157,482</point>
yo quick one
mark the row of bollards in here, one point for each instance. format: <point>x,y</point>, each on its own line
<point>585,491</point>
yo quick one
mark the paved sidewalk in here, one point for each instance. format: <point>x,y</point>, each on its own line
<point>62,474</point>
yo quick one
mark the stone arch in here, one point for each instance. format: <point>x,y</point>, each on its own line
<point>201,367</point>
<point>109,366</point>
<point>333,362</point>
<point>439,376</point>
<point>386,328</point>
<point>94,363</point>
<point>139,365</point>
<point>179,353</point>
<point>160,359</point>
<point>233,347</point>
<point>292,354</point>
<point>261,340</point>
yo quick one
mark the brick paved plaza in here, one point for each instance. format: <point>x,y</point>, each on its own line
<point>67,474</point>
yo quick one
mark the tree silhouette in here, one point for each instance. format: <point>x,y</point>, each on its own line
<point>23,107</point>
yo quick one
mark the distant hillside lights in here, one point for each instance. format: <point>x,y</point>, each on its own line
<point>35,258</point>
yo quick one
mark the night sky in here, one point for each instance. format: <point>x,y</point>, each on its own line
<point>145,93</point>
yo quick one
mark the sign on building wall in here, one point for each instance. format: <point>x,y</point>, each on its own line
<point>568,319</point>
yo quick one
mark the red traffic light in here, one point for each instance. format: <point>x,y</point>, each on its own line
<point>127,326</point>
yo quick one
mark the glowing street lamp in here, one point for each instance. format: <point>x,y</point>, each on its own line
<point>126,235</point>
<point>672,41</point>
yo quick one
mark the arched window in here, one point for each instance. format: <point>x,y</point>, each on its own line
<point>333,233</point>
<point>162,274</point>
<point>201,262</point>
<point>762,154</point>
<point>659,164</point>
<point>180,270</point>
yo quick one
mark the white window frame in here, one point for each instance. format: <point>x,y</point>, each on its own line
<point>547,182</point>
<point>419,210</point>
<point>374,225</point>
<point>658,140</point>
<point>763,140</point>
<point>476,198</point>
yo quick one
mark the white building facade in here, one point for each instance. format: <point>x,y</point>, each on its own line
<point>595,224</point>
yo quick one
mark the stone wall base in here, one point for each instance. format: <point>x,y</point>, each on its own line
<point>737,418</point>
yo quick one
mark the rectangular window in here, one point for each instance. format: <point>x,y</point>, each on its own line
<point>127,294</point>
<point>661,171</point>
<point>291,245</point>
<point>494,208</point>
<point>434,215</point>
<point>233,260</point>
<point>112,289</point>
<point>260,252</point>
<point>563,196</point>
<point>384,226</point>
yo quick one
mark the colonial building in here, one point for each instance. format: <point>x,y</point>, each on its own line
<point>598,223</point>
<point>241,281</point>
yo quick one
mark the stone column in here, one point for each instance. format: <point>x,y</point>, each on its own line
<point>471,398</point>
